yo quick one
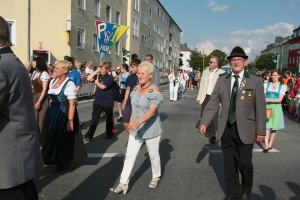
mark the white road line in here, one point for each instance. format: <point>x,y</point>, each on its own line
<point>105,155</point>
<point>254,150</point>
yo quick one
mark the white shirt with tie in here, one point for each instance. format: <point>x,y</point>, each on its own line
<point>211,75</point>
<point>239,79</point>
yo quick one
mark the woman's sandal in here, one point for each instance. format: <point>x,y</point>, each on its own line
<point>60,167</point>
<point>120,188</point>
<point>154,182</point>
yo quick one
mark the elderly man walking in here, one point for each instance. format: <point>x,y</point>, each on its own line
<point>207,84</point>
<point>243,121</point>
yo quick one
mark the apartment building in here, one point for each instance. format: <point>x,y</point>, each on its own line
<point>53,29</point>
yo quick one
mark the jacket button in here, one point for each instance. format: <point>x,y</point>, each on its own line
<point>225,119</point>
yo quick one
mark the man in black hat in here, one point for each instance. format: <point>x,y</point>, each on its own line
<point>242,122</point>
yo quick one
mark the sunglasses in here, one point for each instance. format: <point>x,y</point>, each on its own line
<point>211,62</point>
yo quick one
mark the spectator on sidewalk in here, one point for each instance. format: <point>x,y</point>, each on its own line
<point>88,68</point>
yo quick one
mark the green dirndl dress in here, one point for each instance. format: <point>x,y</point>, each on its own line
<point>276,122</point>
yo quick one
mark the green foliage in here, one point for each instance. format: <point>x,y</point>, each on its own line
<point>220,54</point>
<point>195,60</point>
<point>265,62</point>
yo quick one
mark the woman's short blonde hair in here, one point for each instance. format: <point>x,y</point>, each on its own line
<point>28,65</point>
<point>63,63</point>
<point>148,66</point>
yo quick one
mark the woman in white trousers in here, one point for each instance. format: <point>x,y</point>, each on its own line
<point>145,125</point>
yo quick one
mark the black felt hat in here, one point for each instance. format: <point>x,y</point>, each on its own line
<point>237,52</point>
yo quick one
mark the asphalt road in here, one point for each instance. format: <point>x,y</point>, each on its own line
<point>191,168</point>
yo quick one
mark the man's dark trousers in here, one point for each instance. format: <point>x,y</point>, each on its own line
<point>237,158</point>
<point>213,126</point>
<point>97,110</point>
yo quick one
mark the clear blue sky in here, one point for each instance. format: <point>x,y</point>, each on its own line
<point>220,24</point>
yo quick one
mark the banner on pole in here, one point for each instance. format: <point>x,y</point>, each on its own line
<point>107,35</point>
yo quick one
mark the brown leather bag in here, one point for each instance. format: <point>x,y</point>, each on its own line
<point>269,113</point>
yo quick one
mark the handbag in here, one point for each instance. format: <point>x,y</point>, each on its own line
<point>269,113</point>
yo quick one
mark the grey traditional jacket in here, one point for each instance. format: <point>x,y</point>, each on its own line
<point>250,106</point>
<point>20,157</point>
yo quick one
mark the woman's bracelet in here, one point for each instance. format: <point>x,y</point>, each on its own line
<point>70,120</point>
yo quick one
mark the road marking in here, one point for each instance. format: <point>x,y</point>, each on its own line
<point>105,155</point>
<point>254,150</point>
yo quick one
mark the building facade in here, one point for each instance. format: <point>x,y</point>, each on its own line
<point>185,52</point>
<point>294,50</point>
<point>53,31</point>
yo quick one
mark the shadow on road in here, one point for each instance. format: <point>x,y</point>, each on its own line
<point>215,161</point>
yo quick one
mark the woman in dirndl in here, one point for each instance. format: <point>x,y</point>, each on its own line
<point>274,92</point>
<point>63,139</point>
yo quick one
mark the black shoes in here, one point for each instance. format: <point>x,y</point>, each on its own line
<point>119,119</point>
<point>265,151</point>
<point>212,140</point>
<point>109,137</point>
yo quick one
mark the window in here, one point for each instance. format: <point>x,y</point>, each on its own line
<point>153,44</point>
<point>118,17</point>
<point>117,48</point>
<point>150,15</point>
<point>154,27</point>
<point>146,2</point>
<point>144,40</point>
<point>135,27</point>
<point>12,31</point>
<point>145,19</point>
<point>155,8</point>
<point>149,32</point>
<point>163,17</point>
<point>108,13</point>
<point>136,5</point>
<point>95,42</point>
<point>81,4</point>
<point>80,38</point>
<point>97,8</point>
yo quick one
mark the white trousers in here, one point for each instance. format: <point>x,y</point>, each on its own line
<point>182,86</point>
<point>133,147</point>
<point>174,91</point>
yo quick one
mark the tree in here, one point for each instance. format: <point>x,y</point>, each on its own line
<point>195,60</point>
<point>265,62</point>
<point>220,54</point>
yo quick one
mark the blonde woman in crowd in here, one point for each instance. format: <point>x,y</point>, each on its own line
<point>39,80</point>
<point>62,137</point>
<point>145,126</point>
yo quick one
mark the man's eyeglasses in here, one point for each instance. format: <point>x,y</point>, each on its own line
<point>237,60</point>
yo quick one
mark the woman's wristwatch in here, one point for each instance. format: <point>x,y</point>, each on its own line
<point>70,119</point>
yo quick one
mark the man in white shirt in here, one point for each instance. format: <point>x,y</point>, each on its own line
<point>88,69</point>
<point>207,84</point>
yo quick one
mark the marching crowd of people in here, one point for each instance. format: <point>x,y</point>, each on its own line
<point>41,111</point>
